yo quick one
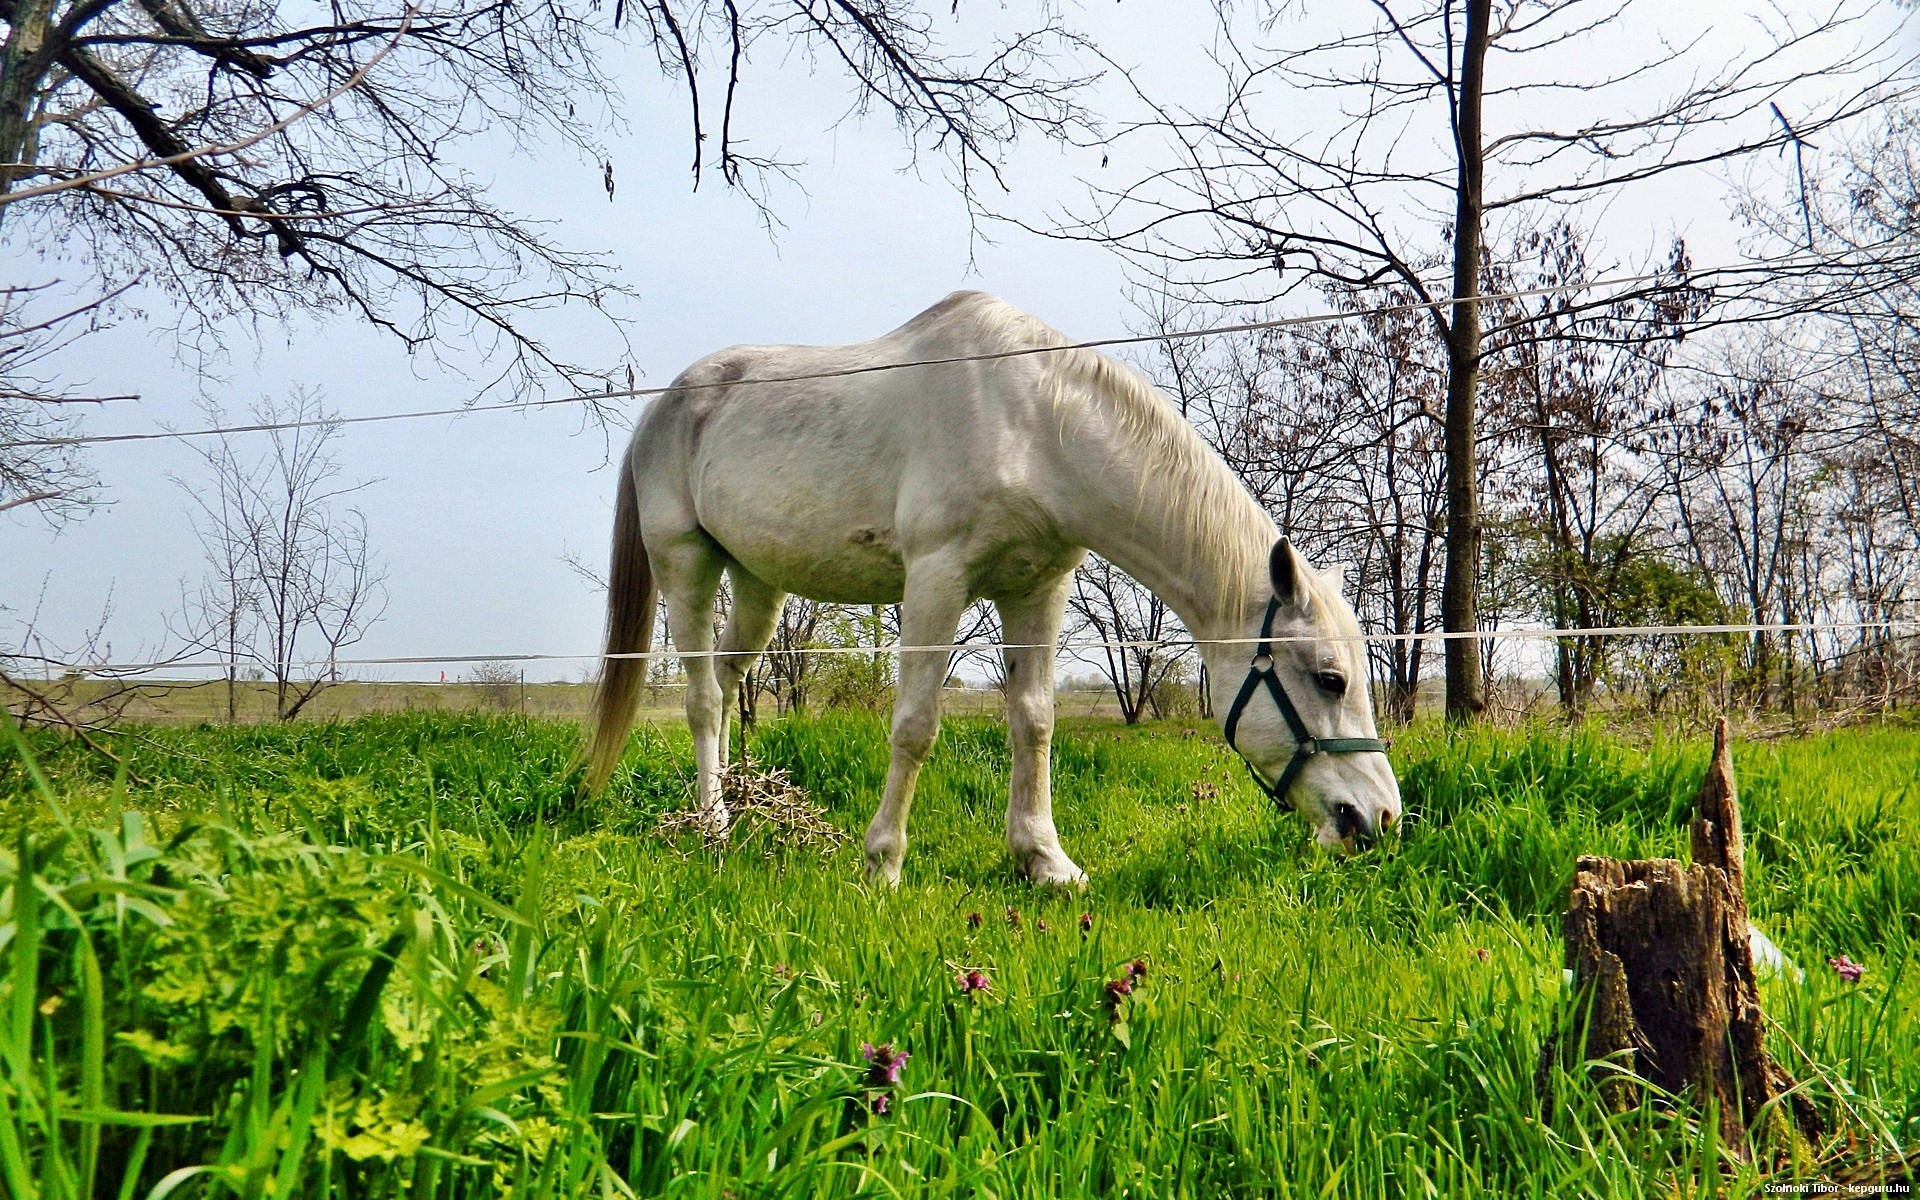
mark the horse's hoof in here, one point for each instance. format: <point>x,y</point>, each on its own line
<point>886,849</point>
<point>715,821</point>
<point>1055,869</point>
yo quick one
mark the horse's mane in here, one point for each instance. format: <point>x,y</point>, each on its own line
<point>1219,524</point>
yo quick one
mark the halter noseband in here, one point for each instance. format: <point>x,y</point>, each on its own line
<point>1305,745</point>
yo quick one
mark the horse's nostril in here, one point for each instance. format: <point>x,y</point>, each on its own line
<point>1348,821</point>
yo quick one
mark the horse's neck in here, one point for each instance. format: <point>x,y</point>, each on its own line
<point>1209,565</point>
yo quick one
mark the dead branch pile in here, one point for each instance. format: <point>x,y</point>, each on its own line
<point>768,811</point>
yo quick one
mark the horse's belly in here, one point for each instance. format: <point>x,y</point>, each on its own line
<point>838,560</point>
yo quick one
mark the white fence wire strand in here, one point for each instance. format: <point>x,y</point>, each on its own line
<point>1895,628</point>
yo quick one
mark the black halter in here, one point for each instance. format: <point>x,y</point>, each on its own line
<point>1305,745</point>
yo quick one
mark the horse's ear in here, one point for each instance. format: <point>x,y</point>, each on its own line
<point>1289,573</point>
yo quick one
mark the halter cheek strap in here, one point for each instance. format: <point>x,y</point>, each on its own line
<point>1305,745</point>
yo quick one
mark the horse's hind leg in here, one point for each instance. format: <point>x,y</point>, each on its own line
<point>756,610</point>
<point>1032,626</point>
<point>689,573</point>
<point>936,595</point>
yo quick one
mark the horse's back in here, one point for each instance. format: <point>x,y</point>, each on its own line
<point>820,468</point>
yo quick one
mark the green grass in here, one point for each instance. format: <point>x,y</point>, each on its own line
<point>394,956</point>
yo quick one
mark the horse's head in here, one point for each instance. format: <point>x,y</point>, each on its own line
<point>1301,715</point>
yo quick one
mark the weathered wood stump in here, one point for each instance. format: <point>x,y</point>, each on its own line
<point>1663,980</point>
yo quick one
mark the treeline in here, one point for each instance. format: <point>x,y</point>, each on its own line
<point>1664,454</point>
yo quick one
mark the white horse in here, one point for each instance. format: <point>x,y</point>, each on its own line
<point>984,469</point>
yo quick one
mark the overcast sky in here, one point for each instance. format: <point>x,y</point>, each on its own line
<point>472,515</point>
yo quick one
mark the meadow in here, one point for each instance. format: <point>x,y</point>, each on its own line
<point>395,956</point>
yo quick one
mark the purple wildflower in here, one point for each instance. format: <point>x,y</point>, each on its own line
<point>1118,990</point>
<point>1846,968</point>
<point>1086,923</point>
<point>487,947</point>
<point>973,920</point>
<point>1041,924</point>
<point>880,1102</point>
<point>884,1064</point>
<point>1483,954</point>
<point>970,982</point>
<point>1137,969</point>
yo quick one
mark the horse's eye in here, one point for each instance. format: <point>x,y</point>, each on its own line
<point>1332,683</point>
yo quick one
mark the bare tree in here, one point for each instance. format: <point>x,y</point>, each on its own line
<point>1575,402</point>
<point>81,687</point>
<point>41,471</point>
<point>250,159</point>
<point>1746,506</point>
<point>291,580</point>
<point>1369,390</point>
<point>1334,427</point>
<point>1441,116</point>
<point>254,160</point>
<point>501,683</point>
<point>1132,624</point>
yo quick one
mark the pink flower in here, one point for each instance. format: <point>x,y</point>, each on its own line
<point>1483,954</point>
<point>1086,923</point>
<point>884,1064</point>
<point>973,920</point>
<point>1847,969</point>
<point>970,982</point>
<point>1117,990</point>
<point>880,1101</point>
<point>1040,924</point>
<point>1137,969</point>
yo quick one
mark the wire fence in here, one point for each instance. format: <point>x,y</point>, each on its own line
<point>1893,627</point>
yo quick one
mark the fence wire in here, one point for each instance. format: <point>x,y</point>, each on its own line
<point>1896,628</point>
<point>1698,278</point>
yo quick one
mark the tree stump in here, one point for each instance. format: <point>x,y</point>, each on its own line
<point>1663,979</point>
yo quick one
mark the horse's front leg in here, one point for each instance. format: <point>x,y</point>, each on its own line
<point>1032,628</point>
<point>936,594</point>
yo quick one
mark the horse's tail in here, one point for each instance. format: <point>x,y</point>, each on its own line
<point>630,608</point>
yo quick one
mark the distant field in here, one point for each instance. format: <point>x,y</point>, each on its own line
<point>395,956</point>
<point>161,702</point>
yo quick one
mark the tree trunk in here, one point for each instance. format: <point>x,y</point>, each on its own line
<point>32,44</point>
<point>1459,599</point>
<point>1663,979</point>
